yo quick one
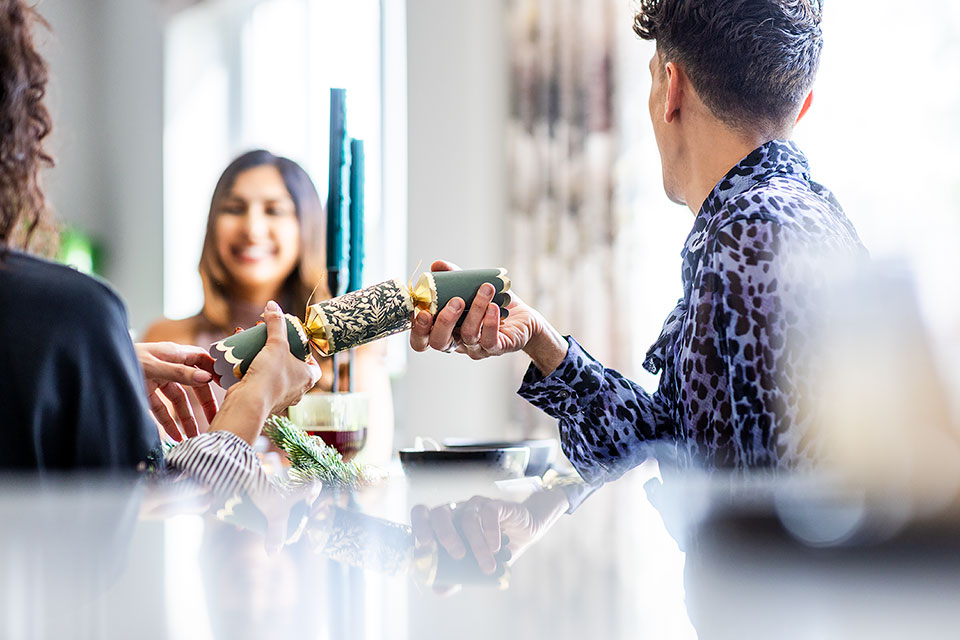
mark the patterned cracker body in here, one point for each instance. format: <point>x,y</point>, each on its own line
<point>361,316</point>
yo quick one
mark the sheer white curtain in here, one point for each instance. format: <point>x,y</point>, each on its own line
<point>570,255</point>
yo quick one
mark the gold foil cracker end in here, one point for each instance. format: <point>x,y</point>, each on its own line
<point>315,330</point>
<point>424,294</point>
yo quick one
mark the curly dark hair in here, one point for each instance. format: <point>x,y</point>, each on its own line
<point>752,62</point>
<point>24,123</point>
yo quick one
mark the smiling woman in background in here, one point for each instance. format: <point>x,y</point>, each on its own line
<point>264,241</point>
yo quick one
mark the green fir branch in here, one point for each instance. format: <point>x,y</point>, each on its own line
<point>311,459</point>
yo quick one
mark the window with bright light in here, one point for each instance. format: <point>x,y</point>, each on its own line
<point>258,74</point>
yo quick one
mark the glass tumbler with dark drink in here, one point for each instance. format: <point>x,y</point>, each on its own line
<point>339,419</point>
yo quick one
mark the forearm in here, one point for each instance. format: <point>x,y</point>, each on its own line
<point>547,348</point>
<point>607,423</point>
<point>245,409</point>
<point>220,461</point>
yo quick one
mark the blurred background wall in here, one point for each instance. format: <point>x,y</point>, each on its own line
<point>457,87</point>
<point>107,103</point>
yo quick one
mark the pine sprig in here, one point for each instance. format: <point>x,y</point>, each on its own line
<point>311,459</point>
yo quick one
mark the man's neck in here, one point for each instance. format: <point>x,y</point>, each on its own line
<point>715,150</point>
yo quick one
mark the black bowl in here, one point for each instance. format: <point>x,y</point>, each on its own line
<point>496,463</point>
<point>542,452</point>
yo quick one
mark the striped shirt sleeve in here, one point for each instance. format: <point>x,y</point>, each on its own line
<point>221,461</point>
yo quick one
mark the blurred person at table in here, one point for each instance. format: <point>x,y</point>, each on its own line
<point>265,241</point>
<point>729,82</point>
<point>75,388</point>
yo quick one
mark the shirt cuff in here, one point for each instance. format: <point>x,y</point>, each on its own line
<point>570,389</point>
<point>222,461</point>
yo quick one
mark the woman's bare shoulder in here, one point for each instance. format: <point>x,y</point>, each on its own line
<point>180,331</point>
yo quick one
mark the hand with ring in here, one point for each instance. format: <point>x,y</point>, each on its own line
<point>483,333</point>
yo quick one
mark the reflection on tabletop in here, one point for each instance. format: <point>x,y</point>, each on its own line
<point>101,557</point>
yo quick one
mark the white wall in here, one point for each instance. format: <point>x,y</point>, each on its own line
<point>457,101</point>
<point>106,98</point>
<point>132,39</point>
<point>73,186</point>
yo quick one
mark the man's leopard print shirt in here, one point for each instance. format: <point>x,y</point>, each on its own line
<point>732,353</point>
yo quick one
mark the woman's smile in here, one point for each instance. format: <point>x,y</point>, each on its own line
<point>254,253</point>
<point>258,232</point>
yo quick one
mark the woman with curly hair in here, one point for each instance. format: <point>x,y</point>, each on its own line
<point>75,390</point>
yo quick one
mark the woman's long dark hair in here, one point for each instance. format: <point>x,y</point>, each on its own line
<point>217,283</point>
<point>24,123</point>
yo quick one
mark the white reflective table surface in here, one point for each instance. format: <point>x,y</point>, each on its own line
<point>115,558</point>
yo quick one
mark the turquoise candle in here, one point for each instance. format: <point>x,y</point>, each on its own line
<point>356,215</point>
<point>336,196</point>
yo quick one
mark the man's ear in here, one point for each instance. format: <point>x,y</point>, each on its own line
<point>806,106</point>
<point>673,93</point>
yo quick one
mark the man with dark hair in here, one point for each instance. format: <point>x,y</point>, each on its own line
<point>752,63</point>
<point>730,80</point>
